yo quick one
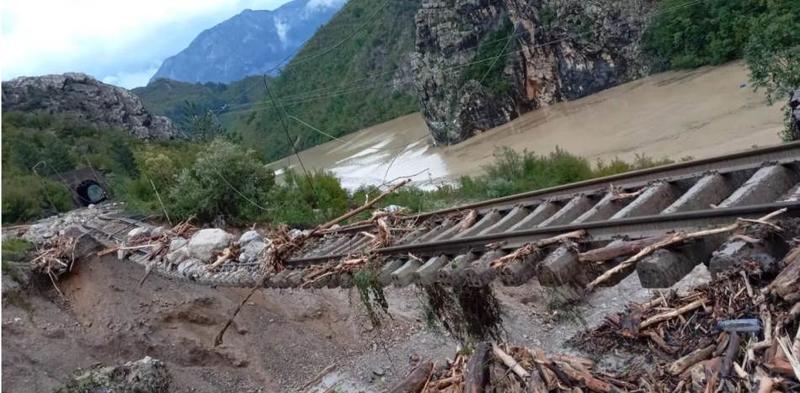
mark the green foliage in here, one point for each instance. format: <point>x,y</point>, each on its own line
<point>14,249</point>
<point>765,32</point>
<point>224,181</point>
<point>28,196</point>
<point>685,35</point>
<point>491,54</point>
<point>773,50</point>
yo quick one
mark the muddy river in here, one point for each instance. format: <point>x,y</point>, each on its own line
<point>697,113</point>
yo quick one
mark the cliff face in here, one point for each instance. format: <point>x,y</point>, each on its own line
<point>80,95</point>
<point>482,63</point>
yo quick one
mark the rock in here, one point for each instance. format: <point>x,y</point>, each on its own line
<point>540,67</point>
<point>86,98</point>
<point>73,231</point>
<point>177,250</point>
<point>206,242</point>
<point>147,375</point>
<point>250,236</point>
<point>157,231</point>
<point>294,233</point>
<point>251,251</point>
<point>794,116</point>
<point>10,285</point>
<point>177,243</point>
<point>189,268</point>
<point>138,232</point>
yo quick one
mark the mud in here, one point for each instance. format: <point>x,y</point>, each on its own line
<point>698,113</point>
<point>280,340</point>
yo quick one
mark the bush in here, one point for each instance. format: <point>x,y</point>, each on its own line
<point>27,197</point>
<point>685,35</point>
<point>773,55</point>
<point>306,200</point>
<point>224,181</point>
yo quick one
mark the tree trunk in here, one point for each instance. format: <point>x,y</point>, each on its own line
<point>415,380</point>
<point>477,374</point>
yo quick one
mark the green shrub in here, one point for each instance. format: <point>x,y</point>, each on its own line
<point>224,181</point>
<point>773,54</point>
<point>306,200</point>
<point>15,249</point>
<point>685,35</point>
<point>27,197</point>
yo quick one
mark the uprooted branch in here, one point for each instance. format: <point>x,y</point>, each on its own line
<point>530,248</point>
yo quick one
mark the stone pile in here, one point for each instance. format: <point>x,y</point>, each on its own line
<point>193,257</point>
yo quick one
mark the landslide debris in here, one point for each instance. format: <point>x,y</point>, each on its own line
<point>146,375</point>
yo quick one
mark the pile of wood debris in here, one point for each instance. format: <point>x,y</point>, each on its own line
<point>737,333</point>
<point>503,368</point>
<point>55,257</point>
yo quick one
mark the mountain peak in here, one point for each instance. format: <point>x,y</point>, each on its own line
<point>250,43</point>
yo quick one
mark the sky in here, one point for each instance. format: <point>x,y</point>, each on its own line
<point>118,42</point>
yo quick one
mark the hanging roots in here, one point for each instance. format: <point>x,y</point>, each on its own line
<point>370,291</point>
<point>469,314</point>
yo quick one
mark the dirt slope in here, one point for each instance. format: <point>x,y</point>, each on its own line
<point>280,340</point>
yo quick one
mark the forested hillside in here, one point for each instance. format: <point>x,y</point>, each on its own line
<point>354,72</point>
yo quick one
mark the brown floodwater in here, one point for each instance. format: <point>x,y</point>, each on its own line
<point>698,113</point>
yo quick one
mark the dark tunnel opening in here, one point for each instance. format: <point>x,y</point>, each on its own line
<point>90,192</point>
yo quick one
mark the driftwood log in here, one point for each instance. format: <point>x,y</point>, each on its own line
<point>618,249</point>
<point>476,374</point>
<point>787,283</point>
<point>415,380</point>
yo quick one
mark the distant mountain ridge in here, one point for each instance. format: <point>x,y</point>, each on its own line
<point>250,43</point>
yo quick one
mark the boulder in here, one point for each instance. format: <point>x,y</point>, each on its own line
<point>138,232</point>
<point>794,116</point>
<point>251,250</point>
<point>250,236</point>
<point>144,375</point>
<point>207,242</point>
<point>190,268</point>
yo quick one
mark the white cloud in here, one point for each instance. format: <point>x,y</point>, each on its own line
<point>111,39</point>
<point>133,79</point>
<point>281,27</point>
<point>322,3</point>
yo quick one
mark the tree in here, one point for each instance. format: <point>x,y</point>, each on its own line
<point>773,54</point>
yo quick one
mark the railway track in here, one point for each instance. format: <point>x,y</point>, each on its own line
<point>456,246</point>
<point>637,205</point>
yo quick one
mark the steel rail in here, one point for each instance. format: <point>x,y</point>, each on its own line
<point>600,230</point>
<point>669,172</point>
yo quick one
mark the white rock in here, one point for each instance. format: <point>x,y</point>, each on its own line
<point>177,243</point>
<point>251,250</point>
<point>138,232</point>
<point>206,242</point>
<point>189,267</point>
<point>157,231</point>
<point>250,236</point>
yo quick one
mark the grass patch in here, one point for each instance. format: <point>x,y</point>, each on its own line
<point>14,249</point>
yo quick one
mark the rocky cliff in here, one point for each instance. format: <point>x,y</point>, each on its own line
<point>82,96</point>
<point>482,63</point>
<point>250,43</point>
